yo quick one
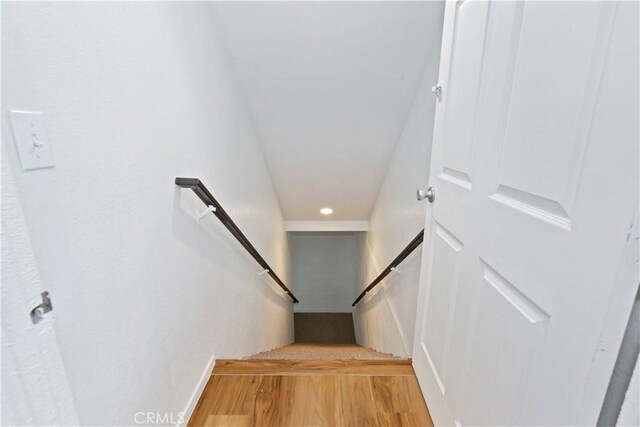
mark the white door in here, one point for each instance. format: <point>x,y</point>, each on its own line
<point>34,384</point>
<point>535,169</point>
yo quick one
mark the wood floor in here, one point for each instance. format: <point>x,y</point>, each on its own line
<point>311,393</point>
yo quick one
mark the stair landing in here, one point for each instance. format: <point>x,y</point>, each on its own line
<point>311,393</point>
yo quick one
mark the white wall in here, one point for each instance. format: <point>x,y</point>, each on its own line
<point>330,83</point>
<point>325,271</point>
<point>135,94</point>
<point>386,320</point>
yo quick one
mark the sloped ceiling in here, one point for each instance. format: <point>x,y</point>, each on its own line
<point>329,86</point>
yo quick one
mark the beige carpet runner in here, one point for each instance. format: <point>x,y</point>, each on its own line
<point>323,352</point>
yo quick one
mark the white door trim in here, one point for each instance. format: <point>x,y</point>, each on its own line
<point>35,389</point>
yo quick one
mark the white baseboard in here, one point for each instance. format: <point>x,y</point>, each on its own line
<point>195,396</point>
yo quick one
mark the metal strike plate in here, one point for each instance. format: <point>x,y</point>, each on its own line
<point>437,89</point>
<point>37,314</point>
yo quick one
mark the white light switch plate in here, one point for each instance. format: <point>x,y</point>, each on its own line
<point>31,139</point>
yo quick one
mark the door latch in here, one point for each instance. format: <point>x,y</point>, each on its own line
<point>37,314</point>
<point>437,90</point>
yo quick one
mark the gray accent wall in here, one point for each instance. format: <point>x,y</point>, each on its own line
<point>325,271</point>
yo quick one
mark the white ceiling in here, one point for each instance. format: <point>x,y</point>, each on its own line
<point>329,86</point>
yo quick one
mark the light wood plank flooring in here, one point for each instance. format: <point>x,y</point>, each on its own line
<point>311,393</point>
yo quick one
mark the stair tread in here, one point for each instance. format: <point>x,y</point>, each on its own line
<point>395,367</point>
<point>301,351</point>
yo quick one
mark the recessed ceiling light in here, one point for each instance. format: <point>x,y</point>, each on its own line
<point>326,211</point>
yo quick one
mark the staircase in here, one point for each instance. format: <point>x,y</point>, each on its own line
<point>311,393</point>
<point>309,384</point>
<point>314,383</point>
<point>303,351</point>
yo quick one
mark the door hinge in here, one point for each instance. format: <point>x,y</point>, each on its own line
<point>37,314</point>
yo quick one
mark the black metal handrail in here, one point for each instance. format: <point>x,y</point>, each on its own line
<point>201,191</point>
<point>405,253</point>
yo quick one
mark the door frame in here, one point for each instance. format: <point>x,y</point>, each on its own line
<point>613,327</point>
<point>35,383</point>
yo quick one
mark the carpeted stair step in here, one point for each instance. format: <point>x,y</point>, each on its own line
<point>323,352</point>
